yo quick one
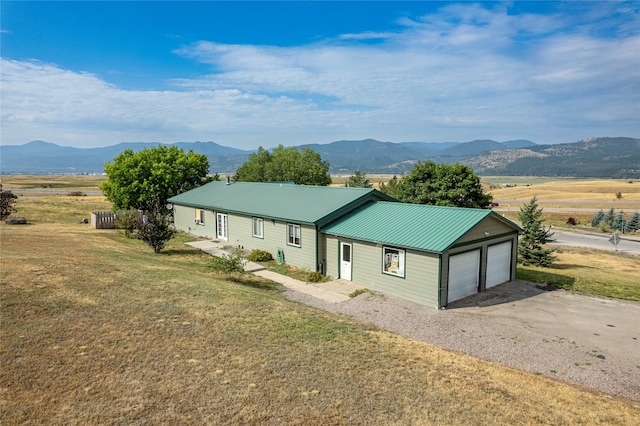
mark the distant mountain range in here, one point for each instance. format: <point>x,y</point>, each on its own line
<point>599,157</point>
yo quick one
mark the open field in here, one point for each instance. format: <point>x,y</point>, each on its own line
<point>573,193</point>
<point>97,329</point>
<point>70,182</point>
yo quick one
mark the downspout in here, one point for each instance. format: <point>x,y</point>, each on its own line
<point>440,283</point>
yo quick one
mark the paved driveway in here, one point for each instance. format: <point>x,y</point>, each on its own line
<point>586,340</point>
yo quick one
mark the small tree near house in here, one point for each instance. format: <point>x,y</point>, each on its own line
<point>530,247</point>
<point>155,229</point>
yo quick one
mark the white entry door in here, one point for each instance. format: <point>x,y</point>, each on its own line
<point>345,261</point>
<point>223,227</point>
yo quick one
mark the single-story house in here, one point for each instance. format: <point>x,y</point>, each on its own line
<point>428,254</point>
<point>268,216</point>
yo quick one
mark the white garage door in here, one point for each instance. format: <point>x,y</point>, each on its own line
<point>498,264</point>
<point>464,270</point>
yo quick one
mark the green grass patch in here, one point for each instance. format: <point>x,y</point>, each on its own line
<point>589,271</point>
<point>295,272</point>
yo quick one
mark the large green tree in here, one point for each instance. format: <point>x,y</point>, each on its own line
<point>437,184</point>
<point>530,247</point>
<point>304,167</point>
<point>146,179</point>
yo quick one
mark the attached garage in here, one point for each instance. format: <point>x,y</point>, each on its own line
<point>443,253</point>
<point>464,275</point>
<point>499,264</point>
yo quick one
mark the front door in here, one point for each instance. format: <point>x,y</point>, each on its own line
<point>345,261</point>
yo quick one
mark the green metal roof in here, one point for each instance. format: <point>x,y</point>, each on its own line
<point>418,226</point>
<point>283,201</point>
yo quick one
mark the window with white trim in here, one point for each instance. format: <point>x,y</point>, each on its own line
<point>222,226</point>
<point>199,217</point>
<point>393,261</point>
<point>257,227</point>
<point>293,235</point>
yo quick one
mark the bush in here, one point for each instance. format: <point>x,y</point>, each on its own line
<point>604,227</point>
<point>7,201</point>
<point>258,255</point>
<point>228,263</point>
<point>314,277</point>
<point>127,220</point>
<point>572,221</point>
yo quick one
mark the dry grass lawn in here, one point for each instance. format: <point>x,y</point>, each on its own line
<point>582,191</point>
<point>96,329</point>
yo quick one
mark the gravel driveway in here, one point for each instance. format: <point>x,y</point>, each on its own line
<point>581,339</point>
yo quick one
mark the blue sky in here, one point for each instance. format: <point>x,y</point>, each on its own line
<point>246,74</point>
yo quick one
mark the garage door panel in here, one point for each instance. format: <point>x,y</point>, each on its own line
<point>464,271</point>
<point>498,264</point>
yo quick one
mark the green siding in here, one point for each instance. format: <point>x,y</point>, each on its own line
<point>184,220</point>
<point>241,234</point>
<point>332,256</point>
<point>420,283</point>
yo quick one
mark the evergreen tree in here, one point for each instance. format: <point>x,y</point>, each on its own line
<point>358,180</point>
<point>608,217</point>
<point>633,224</point>
<point>530,250</point>
<point>597,218</point>
<point>391,187</point>
<point>617,223</point>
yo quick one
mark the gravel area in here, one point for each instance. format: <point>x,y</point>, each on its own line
<point>580,339</point>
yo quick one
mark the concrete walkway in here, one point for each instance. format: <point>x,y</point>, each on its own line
<point>334,291</point>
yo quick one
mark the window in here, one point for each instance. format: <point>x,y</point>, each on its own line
<point>222,227</point>
<point>258,227</point>
<point>393,261</point>
<point>293,235</point>
<point>199,217</point>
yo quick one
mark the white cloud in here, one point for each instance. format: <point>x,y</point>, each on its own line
<point>465,72</point>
